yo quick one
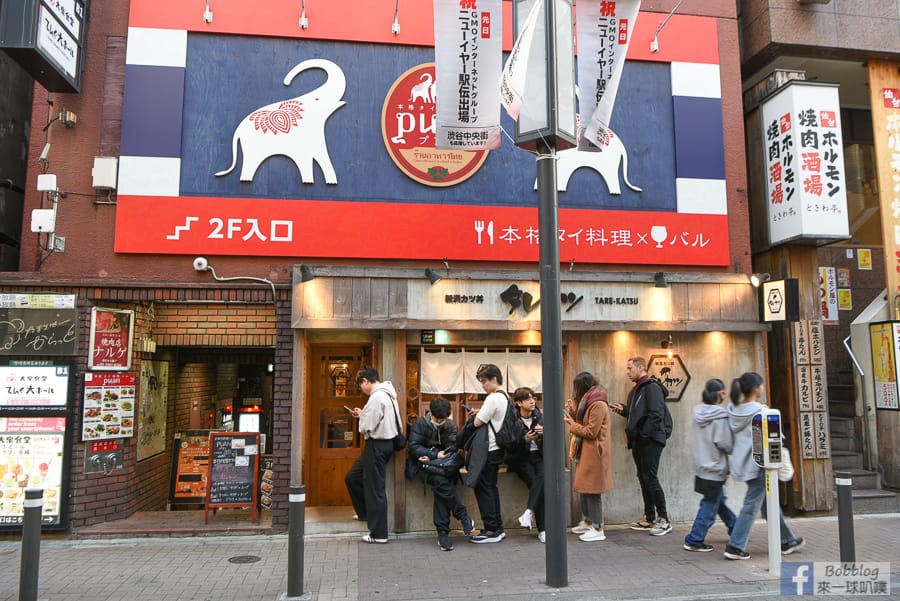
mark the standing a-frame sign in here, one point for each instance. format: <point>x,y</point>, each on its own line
<point>233,477</point>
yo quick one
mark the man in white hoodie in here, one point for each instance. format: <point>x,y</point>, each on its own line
<point>379,423</point>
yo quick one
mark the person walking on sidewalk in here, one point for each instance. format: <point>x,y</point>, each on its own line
<point>647,427</point>
<point>434,437</point>
<point>712,443</point>
<point>588,421</point>
<point>378,423</point>
<point>746,393</point>
<point>492,411</point>
<point>526,460</point>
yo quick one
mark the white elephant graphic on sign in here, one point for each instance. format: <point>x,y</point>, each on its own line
<point>605,162</point>
<point>425,90</point>
<point>294,128</point>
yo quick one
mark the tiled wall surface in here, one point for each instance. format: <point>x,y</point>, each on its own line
<point>867,26</point>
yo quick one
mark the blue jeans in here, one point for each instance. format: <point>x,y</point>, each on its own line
<point>706,517</point>
<point>754,502</point>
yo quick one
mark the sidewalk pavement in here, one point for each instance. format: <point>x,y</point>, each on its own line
<point>628,565</point>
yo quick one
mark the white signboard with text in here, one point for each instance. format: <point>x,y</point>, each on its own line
<point>804,160</point>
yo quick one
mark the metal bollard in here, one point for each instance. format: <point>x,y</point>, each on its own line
<point>296,517</point>
<point>31,544</point>
<point>844,483</point>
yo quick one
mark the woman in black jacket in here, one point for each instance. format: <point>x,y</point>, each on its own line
<point>526,460</point>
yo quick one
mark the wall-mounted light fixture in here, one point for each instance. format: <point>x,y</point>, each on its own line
<point>668,345</point>
<point>306,274</point>
<point>201,264</point>
<point>659,280</point>
<point>395,27</point>
<point>304,22</point>
<point>654,43</point>
<point>207,14</point>
<point>433,276</point>
<point>757,279</point>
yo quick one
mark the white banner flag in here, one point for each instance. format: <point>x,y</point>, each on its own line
<point>604,32</point>
<point>468,50</point>
<point>512,85</point>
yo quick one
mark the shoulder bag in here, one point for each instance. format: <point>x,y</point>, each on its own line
<point>786,471</point>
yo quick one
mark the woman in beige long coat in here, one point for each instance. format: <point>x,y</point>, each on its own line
<point>588,420</point>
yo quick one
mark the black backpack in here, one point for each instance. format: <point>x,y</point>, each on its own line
<point>513,430</point>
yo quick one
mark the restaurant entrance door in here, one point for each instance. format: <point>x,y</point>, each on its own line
<point>332,436</point>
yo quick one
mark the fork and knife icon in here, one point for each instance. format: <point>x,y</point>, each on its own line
<point>479,228</point>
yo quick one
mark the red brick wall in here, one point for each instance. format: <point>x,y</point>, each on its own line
<point>95,498</point>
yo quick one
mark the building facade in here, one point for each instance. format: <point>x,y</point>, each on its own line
<point>295,162</point>
<point>854,45</point>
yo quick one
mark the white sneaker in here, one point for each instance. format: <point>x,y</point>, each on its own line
<point>542,536</point>
<point>582,527</point>
<point>592,535</point>
<point>526,520</point>
<point>661,527</point>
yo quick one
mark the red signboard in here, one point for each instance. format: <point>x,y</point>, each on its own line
<point>111,331</point>
<point>466,232</point>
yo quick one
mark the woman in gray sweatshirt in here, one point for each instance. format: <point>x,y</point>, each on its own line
<point>713,441</point>
<point>746,393</point>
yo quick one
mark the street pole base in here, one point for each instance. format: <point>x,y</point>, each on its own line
<point>303,597</point>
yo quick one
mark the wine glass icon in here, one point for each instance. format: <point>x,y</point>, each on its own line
<point>658,233</point>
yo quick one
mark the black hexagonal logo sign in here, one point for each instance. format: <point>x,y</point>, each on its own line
<point>671,372</point>
<point>774,300</point>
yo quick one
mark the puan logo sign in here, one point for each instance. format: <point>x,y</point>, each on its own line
<point>294,128</point>
<point>408,128</point>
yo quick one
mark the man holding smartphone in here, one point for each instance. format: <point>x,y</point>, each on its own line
<point>379,420</point>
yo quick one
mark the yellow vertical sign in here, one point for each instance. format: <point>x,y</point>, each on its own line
<point>884,87</point>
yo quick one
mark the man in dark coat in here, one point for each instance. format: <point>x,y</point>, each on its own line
<point>648,426</point>
<point>434,437</point>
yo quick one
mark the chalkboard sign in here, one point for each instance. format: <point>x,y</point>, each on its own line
<point>233,477</point>
<point>38,331</point>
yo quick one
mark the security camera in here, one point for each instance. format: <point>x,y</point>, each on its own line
<point>201,264</point>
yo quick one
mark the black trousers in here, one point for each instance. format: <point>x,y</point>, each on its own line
<point>446,503</point>
<point>646,458</point>
<point>365,483</point>
<point>530,470</point>
<point>487,494</point>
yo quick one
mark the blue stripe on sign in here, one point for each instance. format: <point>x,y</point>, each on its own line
<point>152,111</point>
<point>699,144</point>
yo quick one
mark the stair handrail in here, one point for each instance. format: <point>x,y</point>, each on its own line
<point>853,357</point>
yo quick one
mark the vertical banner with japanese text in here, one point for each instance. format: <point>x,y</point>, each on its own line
<point>111,337</point>
<point>468,38</point>
<point>512,82</point>
<point>828,295</point>
<point>604,32</point>
<point>804,160</point>
<point>884,90</point>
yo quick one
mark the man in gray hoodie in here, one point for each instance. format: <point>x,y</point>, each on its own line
<point>712,443</point>
<point>379,423</point>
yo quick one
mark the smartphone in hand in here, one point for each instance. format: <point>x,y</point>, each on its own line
<point>467,408</point>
